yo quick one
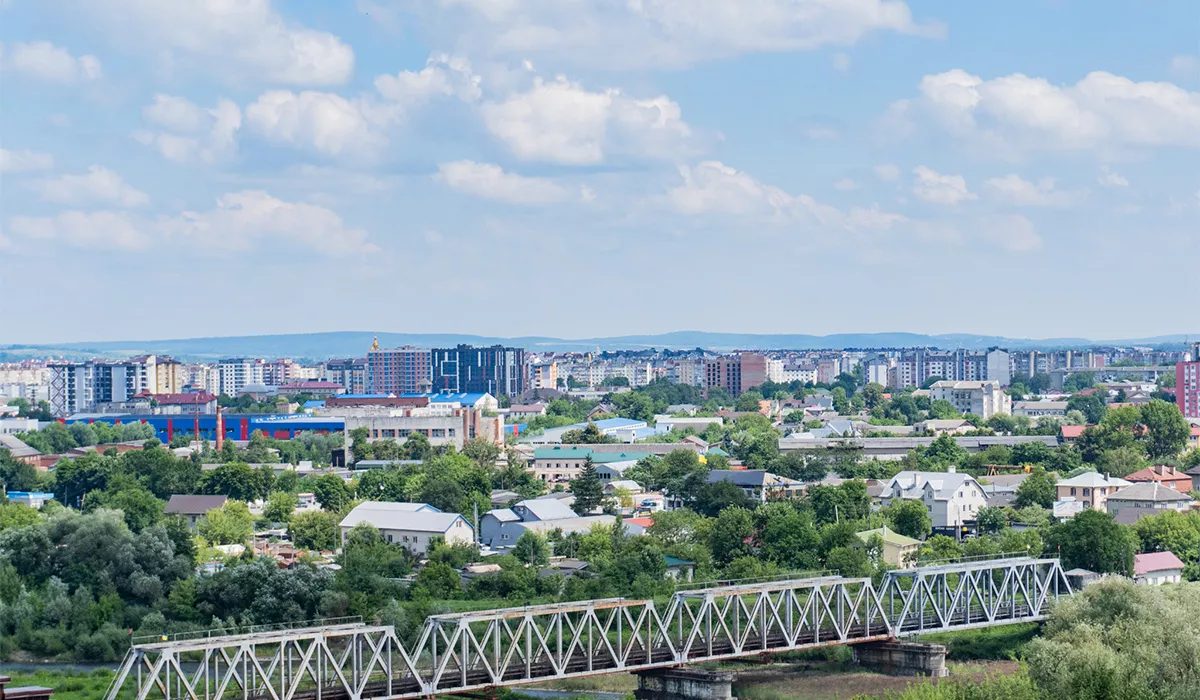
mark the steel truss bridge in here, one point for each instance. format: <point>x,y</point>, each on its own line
<point>475,651</point>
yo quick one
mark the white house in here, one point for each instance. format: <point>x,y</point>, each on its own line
<point>411,525</point>
<point>1157,568</point>
<point>950,498</point>
<point>983,399</point>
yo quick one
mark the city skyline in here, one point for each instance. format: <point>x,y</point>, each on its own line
<point>207,169</point>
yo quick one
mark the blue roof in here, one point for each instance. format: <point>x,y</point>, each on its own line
<point>609,423</point>
<point>435,397</point>
<point>29,494</point>
<point>313,403</point>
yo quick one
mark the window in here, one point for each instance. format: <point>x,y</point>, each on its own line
<point>1072,490</point>
<point>1087,492</point>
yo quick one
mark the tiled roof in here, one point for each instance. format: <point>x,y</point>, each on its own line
<point>1155,561</point>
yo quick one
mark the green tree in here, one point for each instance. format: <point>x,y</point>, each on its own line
<point>280,505</point>
<point>909,518</point>
<point>482,451</point>
<point>1093,540</point>
<point>1038,489</point>
<point>710,499</point>
<point>1167,431</point>
<point>332,493</point>
<point>531,549</point>
<point>748,401</point>
<point>229,524</point>
<point>729,534</point>
<point>587,488</point>
<point>940,548</point>
<point>850,562</point>
<point>316,530</point>
<point>439,581</point>
<point>1091,406</point>
<point>991,520</point>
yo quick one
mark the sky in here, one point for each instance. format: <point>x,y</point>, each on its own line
<point>581,168</point>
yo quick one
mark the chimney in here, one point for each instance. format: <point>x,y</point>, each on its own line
<point>952,469</point>
<point>220,429</point>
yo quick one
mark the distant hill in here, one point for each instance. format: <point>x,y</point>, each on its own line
<point>319,346</point>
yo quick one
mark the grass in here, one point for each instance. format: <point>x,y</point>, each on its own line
<point>67,685</point>
<point>1005,642</point>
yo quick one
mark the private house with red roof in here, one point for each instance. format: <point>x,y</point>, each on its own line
<point>1167,476</point>
<point>1157,568</point>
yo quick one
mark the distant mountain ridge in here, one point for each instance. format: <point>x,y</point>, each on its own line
<point>318,346</point>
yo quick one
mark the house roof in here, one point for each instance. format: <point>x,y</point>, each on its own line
<point>1158,473</point>
<point>1093,480</point>
<point>625,484</point>
<point>16,447</point>
<point>1155,561</point>
<point>1071,432</point>
<point>888,537</point>
<point>582,452</point>
<point>911,484</point>
<point>1149,491</point>
<point>181,504</point>
<point>504,515</point>
<point>545,508</point>
<point>568,525</point>
<point>401,516</point>
<point>640,522</point>
<point>750,477</point>
<point>676,561</point>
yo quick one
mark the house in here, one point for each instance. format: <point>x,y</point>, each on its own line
<point>1194,472</point>
<point>637,526</point>
<point>1070,433</point>
<point>1090,488</point>
<point>759,484</point>
<point>1136,501</point>
<point>1167,476</point>
<point>510,532</point>
<point>679,569</point>
<point>614,471</point>
<point>950,498</point>
<point>626,487</point>
<point>1157,568</point>
<point>561,463</point>
<point>525,411</point>
<point>898,550</point>
<point>412,525</point>
<point>981,398</point>
<point>33,499</point>
<point>491,525</point>
<point>192,508</point>
<point>1079,578</point>
<point>699,424</point>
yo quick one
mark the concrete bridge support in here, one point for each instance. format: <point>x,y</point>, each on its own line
<point>902,658</point>
<point>684,684</point>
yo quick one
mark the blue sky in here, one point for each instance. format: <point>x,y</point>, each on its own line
<point>176,168</point>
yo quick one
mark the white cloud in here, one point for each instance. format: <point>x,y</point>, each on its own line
<point>1020,112</point>
<point>562,122</point>
<point>322,121</point>
<point>1111,178</point>
<point>237,41</point>
<point>715,188</point>
<point>99,186</point>
<point>194,133</point>
<point>491,182</point>
<point>887,172</point>
<point>443,75</point>
<point>241,218</point>
<point>641,33</point>
<point>1013,189</point>
<point>100,230</point>
<point>845,185</point>
<point>44,61</point>
<point>935,188</point>
<point>24,161</point>
<point>1186,66</point>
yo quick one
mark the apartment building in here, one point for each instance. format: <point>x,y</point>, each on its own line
<point>405,370</point>
<point>495,370</point>
<point>1187,384</point>
<point>83,386</point>
<point>984,399</point>
<point>234,373</point>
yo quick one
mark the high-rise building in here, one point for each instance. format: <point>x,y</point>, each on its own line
<point>234,373</point>
<point>83,386</point>
<point>495,370</point>
<point>999,367</point>
<point>736,374</point>
<point>1187,384</point>
<point>403,370</point>
<point>543,375</point>
<point>350,373</point>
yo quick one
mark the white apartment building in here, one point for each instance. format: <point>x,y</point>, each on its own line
<point>233,374</point>
<point>77,387</point>
<point>446,424</point>
<point>984,399</point>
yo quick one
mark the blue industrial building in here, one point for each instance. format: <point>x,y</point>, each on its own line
<point>238,426</point>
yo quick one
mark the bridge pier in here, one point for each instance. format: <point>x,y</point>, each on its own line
<point>684,684</point>
<point>898,658</point>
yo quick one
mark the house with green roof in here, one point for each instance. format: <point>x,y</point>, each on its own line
<point>897,549</point>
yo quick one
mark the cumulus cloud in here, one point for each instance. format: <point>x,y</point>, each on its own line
<point>238,221</point>
<point>192,132</point>
<point>113,230</point>
<point>1110,178</point>
<point>1022,112</point>
<point>443,75</point>
<point>41,60</point>
<point>935,188</point>
<point>667,33</point>
<point>715,188</point>
<point>1013,189</point>
<point>562,122</point>
<point>323,121</point>
<point>24,161</point>
<point>491,182</point>
<point>240,41</point>
<point>98,186</point>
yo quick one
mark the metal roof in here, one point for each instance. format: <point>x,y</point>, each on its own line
<point>401,516</point>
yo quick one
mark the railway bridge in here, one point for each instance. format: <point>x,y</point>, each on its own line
<point>483,650</point>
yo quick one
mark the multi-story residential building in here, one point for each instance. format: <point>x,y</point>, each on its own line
<point>775,370</point>
<point>875,370</point>
<point>1187,384</point>
<point>495,370</point>
<point>279,372</point>
<point>405,370</point>
<point>234,373</point>
<point>443,424</point>
<point>736,374</point>
<point>806,373</point>
<point>984,399</point>
<point>543,375</point>
<point>828,368</point>
<point>999,366</point>
<point>350,373</point>
<point>1090,488</point>
<point>82,386</point>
